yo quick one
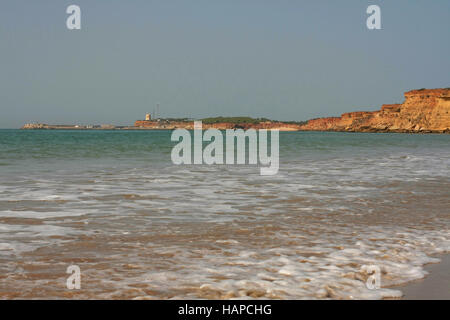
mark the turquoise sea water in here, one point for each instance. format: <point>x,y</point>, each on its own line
<point>138,226</point>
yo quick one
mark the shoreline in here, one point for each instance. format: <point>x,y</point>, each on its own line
<point>434,286</point>
<point>282,129</point>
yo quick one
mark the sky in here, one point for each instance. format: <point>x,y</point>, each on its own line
<point>284,59</point>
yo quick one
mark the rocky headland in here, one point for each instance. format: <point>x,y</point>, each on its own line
<point>423,111</point>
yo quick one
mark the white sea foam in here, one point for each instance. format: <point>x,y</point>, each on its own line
<point>227,232</point>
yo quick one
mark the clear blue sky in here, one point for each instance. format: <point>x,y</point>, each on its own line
<point>287,60</point>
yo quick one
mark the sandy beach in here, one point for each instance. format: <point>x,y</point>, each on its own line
<point>435,286</point>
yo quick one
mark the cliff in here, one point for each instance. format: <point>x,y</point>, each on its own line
<point>422,111</point>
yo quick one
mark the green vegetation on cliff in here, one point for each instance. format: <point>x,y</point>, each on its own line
<point>235,120</point>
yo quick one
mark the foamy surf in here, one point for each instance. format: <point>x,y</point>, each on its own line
<point>140,228</point>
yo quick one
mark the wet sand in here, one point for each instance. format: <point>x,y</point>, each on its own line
<point>435,286</point>
<point>140,227</point>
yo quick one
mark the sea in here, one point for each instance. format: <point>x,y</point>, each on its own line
<point>140,227</point>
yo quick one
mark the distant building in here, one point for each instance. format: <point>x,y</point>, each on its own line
<point>148,117</point>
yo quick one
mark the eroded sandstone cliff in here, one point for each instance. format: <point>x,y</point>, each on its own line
<point>425,110</point>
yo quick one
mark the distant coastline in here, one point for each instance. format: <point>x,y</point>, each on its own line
<point>423,111</point>
<point>221,123</point>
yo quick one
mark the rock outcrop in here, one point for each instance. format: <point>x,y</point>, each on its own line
<point>423,111</point>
